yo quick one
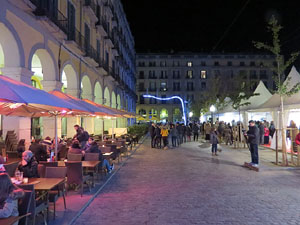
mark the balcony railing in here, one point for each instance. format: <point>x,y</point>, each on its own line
<point>91,52</point>
<point>92,5</point>
<point>75,35</point>
<point>50,11</point>
<point>103,23</point>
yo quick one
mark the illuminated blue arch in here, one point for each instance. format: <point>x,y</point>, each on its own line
<point>170,98</point>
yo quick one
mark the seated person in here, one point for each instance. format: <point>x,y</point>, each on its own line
<point>28,165</point>
<point>2,168</point>
<point>39,150</point>
<point>9,195</point>
<point>21,147</point>
<point>94,149</point>
<point>75,148</point>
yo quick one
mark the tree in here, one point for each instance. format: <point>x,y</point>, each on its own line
<point>279,69</point>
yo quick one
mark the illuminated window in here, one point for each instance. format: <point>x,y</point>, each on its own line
<point>189,74</point>
<point>203,74</point>
<point>189,64</point>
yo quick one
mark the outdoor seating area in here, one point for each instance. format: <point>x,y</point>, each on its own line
<point>76,174</point>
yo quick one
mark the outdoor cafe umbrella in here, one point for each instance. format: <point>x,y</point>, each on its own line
<point>19,99</point>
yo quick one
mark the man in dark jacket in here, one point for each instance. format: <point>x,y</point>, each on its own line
<point>152,135</point>
<point>261,132</point>
<point>81,135</point>
<point>195,131</point>
<point>253,140</point>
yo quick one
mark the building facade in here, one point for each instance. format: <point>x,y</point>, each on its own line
<point>83,47</point>
<point>189,76</point>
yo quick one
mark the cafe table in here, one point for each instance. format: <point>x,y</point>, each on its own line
<point>44,184</point>
<point>11,220</point>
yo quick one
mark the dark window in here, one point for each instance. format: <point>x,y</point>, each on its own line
<point>176,86</point>
<point>190,86</point>
<point>203,63</point>
<point>216,63</point>
<point>86,38</point>
<point>141,87</point>
<point>141,75</point>
<point>252,63</point>
<point>142,99</point>
<point>253,74</point>
<point>263,74</point>
<point>203,85</point>
<point>229,63</point>
<point>98,49</point>
<point>242,63</point>
<point>71,21</point>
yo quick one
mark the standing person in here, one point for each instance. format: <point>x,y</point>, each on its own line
<point>207,130</point>
<point>253,139</point>
<point>152,134</point>
<point>266,135</point>
<point>188,132</point>
<point>184,132</point>
<point>157,140</point>
<point>214,140</point>
<point>174,134</point>
<point>39,150</point>
<point>227,134</point>
<point>196,131</point>
<point>165,133</point>
<point>9,195</point>
<point>261,132</point>
<point>81,135</point>
<point>179,128</point>
<point>272,129</point>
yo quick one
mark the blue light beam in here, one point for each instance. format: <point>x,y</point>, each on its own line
<point>170,98</point>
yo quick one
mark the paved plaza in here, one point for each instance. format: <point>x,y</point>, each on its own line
<point>187,185</point>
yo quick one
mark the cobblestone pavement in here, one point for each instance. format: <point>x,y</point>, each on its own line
<point>187,185</point>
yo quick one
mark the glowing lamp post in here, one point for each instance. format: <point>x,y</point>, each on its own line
<point>212,109</point>
<point>191,114</point>
<point>170,98</point>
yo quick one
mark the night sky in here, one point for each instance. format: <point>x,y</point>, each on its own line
<point>197,25</point>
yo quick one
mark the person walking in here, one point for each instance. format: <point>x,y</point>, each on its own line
<point>227,134</point>
<point>272,129</point>
<point>253,137</point>
<point>174,134</point>
<point>184,132</point>
<point>165,133</point>
<point>214,140</point>
<point>152,134</point>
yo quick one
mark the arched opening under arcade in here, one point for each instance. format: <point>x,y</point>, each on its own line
<point>99,100</point>
<point>163,115</point>
<point>69,81</point>
<point>86,93</point>
<point>107,102</point>
<point>43,69</point>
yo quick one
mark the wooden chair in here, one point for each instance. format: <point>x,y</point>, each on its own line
<point>37,204</point>
<point>91,157</point>
<point>11,168</point>
<point>75,175</point>
<point>74,157</point>
<point>24,207</point>
<point>63,152</point>
<point>57,172</point>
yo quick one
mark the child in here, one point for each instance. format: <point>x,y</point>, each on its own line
<point>9,195</point>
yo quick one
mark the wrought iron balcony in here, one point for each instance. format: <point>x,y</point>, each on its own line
<point>50,11</point>
<point>75,35</point>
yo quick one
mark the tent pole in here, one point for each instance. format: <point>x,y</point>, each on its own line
<point>56,138</point>
<point>102,129</point>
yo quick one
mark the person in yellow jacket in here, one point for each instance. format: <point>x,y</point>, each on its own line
<point>165,133</point>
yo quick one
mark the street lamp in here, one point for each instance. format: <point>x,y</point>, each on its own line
<point>190,114</point>
<point>212,109</point>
